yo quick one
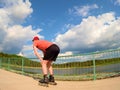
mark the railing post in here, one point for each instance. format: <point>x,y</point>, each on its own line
<point>0,62</point>
<point>22,66</point>
<point>8,64</point>
<point>94,68</point>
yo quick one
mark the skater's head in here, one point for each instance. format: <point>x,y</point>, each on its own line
<point>35,38</point>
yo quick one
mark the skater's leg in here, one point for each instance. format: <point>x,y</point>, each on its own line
<point>44,67</point>
<point>50,68</point>
<point>51,76</point>
<point>44,81</point>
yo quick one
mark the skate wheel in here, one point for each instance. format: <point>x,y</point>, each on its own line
<point>52,83</point>
<point>43,84</point>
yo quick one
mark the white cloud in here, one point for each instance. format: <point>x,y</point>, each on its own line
<point>27,51</point>
<point>13,36</point>
<point>117,2</point>
<point>16,37</point>
<point>83,10</point>
<point>92,34</point>
<point>15,11</point>
<point>66,53</point>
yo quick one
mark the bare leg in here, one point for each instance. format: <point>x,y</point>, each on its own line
<point>51,76</point>
<point>44,81</point>
<point>45,67</point>
<point>50,69</point>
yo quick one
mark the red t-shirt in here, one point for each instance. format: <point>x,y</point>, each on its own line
<point>42,44</point>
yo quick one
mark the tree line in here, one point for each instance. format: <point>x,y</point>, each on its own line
<point>14,59</point>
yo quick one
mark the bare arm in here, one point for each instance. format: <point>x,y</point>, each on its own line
<point>36,53</point>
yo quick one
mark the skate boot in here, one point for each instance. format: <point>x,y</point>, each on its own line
<point>44,81</point>
<point>52,80</point>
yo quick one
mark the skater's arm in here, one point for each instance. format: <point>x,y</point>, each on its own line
<point>36,53</point>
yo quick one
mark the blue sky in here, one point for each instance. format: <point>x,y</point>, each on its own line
<point>77,26</point>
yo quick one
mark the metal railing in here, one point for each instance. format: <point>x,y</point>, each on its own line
<point>89,66</point>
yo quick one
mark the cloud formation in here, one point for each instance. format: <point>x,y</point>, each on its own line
<point>117,2</point>
<point>83,10</point>
<point>13,35</point>
<point>92,34</point>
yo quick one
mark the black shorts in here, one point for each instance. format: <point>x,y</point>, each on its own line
<point>51,53</point>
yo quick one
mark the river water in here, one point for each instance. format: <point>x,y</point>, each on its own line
<point>77,71</point>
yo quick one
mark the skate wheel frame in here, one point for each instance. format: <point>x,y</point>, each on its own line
<point>43,84</point>
<point>52,83</point>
